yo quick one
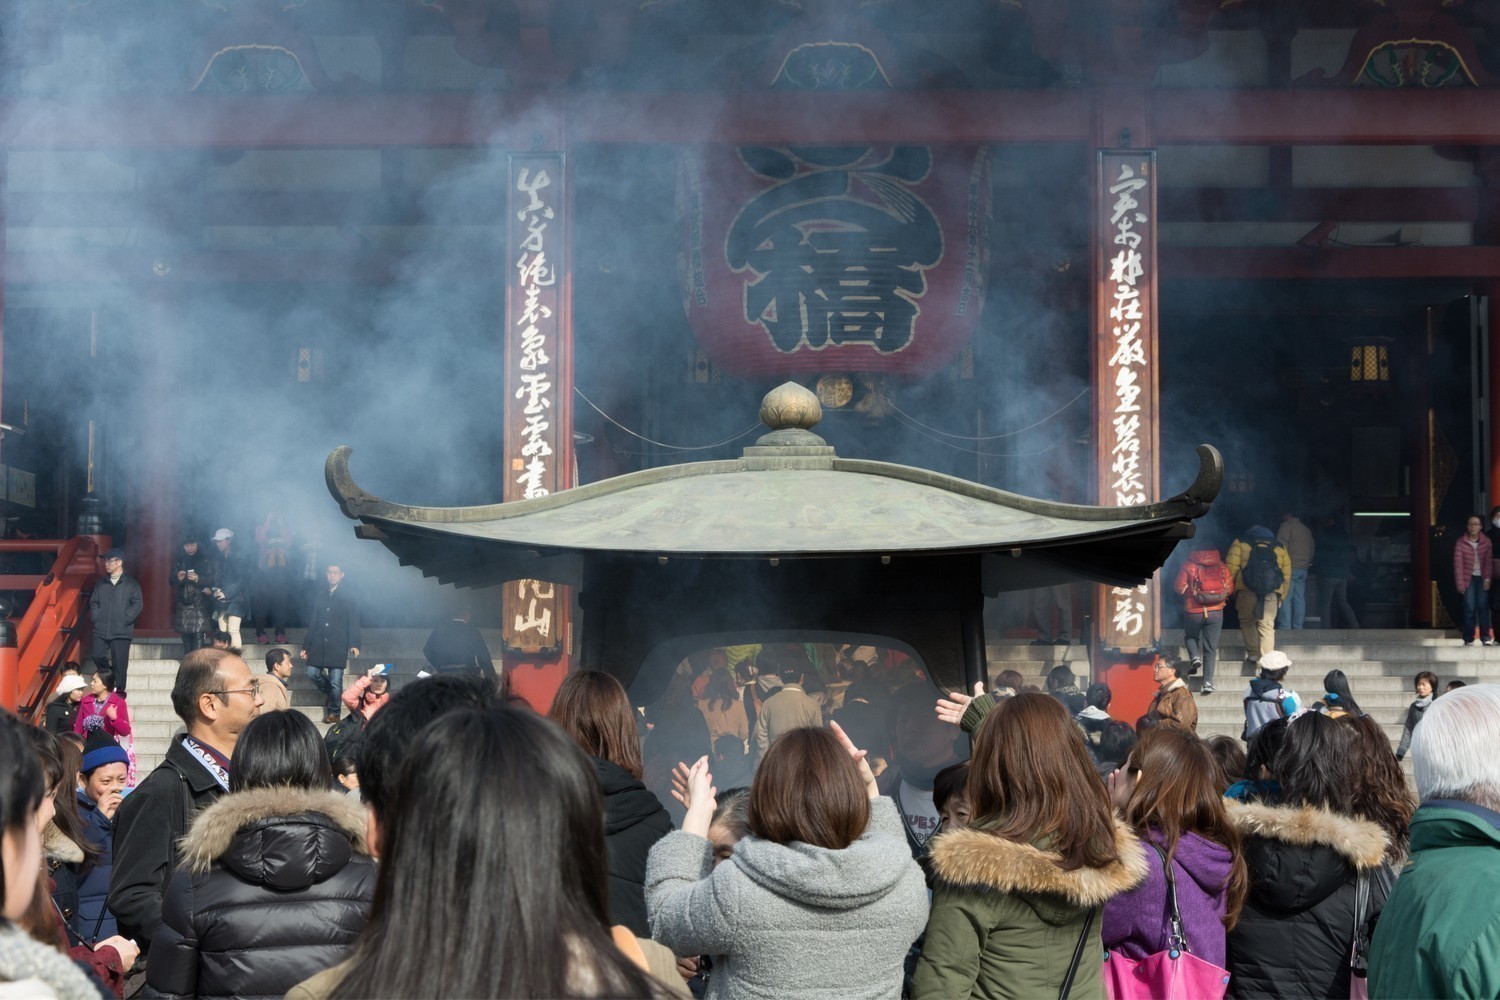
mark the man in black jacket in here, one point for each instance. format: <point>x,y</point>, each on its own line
<point>458,647</point>
<point>332,639</point>
<point>216,696</point>
<point>114,606</point>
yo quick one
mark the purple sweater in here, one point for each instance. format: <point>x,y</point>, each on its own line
<point>1136,922</point>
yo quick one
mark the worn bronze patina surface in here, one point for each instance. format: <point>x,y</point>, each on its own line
<point>788,536</point>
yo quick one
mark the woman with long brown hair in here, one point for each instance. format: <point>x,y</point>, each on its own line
<point>1168,793</point>
<point>722,708</point>
<point>1016,901</point>
<point>1381,793</point>
<point>592,707</point>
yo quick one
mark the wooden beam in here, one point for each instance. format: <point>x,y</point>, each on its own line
<point>322,208</point>
<point>1257,263</point>
<point>136,268</point>
<point>1447,204</point>
<point>524,120</point>
<point>1336,116</point>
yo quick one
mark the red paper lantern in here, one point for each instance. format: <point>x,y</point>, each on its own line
<point>856,259</point>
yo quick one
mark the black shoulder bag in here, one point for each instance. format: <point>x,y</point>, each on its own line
<point>1067,983</point>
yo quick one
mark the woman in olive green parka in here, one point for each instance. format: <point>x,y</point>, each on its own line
<point>1015,892</point>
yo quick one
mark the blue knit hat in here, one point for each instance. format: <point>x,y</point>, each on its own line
<point>100,749</point>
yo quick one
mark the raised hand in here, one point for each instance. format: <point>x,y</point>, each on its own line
<point>859,756</point>
<point>951,709</point>
<point>680,783</point>
<point>698,798</point>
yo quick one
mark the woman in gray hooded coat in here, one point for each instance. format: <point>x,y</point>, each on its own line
<point>823,897</point>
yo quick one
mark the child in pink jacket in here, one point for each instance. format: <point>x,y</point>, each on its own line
<point>370,693</point>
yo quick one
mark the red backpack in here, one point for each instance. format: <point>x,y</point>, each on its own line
<point>1211,592</point>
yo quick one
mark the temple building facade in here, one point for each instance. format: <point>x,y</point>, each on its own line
<point>502,248</point>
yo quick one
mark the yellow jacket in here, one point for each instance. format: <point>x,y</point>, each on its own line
<point>1239,554</point>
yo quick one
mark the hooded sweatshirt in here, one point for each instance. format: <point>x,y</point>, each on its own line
<point>1267,699</point>
<point>1136,922</point>
<point>792,920</point>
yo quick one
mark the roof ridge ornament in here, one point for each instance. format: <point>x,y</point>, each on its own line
<point>790,410</point>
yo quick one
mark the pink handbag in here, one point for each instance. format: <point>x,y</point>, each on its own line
<point>1166,975</point>
<point>1174,974</point>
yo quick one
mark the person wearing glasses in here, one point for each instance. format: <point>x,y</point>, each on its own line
<point>276,879</point>
<point>216,696</point>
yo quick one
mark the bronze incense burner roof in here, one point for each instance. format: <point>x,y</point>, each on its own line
<point>788,536</point>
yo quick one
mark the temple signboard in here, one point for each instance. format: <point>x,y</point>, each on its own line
<point>535,450</point>
<point>1125,407</point>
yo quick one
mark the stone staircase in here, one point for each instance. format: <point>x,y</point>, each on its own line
<point>1380,664</point>
<point>153,668</point>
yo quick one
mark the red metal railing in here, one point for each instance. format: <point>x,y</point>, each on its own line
<point>49,634</point>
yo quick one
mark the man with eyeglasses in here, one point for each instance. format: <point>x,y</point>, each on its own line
<point>216,696</point>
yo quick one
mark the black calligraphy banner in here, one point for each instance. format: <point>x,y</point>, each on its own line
<point>1125,369</point>
<point>536,451</point>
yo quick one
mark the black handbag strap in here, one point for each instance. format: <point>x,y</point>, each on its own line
<point>1067,983</point>
<point>1176,937</point>
<point>1359,957</point>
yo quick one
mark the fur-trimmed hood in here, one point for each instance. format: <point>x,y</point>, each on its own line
<point>57,847</point>
<point>1300,855</point>
<point>287,838</point>
<point>1360,841</point>
<point>982,860</point>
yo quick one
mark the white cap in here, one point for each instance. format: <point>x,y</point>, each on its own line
<point>223,534</point>
<point>69,684</point>
<point>380,670</point>
<point>1274,660</point>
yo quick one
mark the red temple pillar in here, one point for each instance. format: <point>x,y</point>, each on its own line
<point>1124,372</point>
<point>151,486</point>
<point>536,621</point>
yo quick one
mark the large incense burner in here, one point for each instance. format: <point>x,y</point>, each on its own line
<point>788,539</point>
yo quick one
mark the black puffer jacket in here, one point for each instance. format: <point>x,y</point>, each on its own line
<point>634,821</point>
<point>1295,932</point>
<point>275,886</point>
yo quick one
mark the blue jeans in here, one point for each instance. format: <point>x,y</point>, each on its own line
<point>1294,609</point>
<point>1476,604</point>
<point>329,680</point>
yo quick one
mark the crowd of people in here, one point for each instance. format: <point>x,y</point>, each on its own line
<point>463,845</point>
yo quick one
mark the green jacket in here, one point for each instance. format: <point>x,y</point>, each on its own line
<point>1006,919</point>
<point>1439,935</point>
